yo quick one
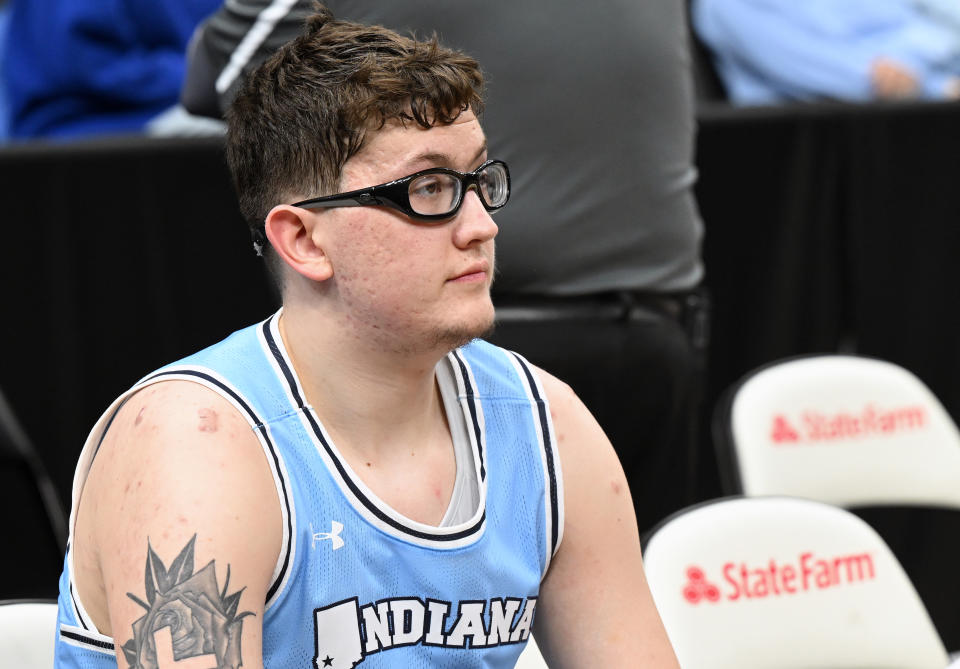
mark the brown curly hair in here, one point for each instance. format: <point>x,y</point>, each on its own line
<point>306,110</point>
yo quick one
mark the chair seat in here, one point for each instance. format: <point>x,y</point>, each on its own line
<point>27,632</point>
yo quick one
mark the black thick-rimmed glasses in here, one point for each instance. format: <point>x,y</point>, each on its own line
<point>434,194</point>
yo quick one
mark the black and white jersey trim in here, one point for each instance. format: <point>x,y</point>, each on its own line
<point>550,457</point>
<point>275,463</point>
<point>467,389</point>
<point>82,638</point>
<point>422,534</point>
<point>76,605</point>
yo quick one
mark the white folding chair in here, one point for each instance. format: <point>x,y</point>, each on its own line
<point>848,430</point>
<point>531,658</point>
<point>27,632</point>
<point>785,583</point>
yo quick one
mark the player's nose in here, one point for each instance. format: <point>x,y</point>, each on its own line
<point>474,224</point>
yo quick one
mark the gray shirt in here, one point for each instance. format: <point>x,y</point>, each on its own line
<point>590,104</point>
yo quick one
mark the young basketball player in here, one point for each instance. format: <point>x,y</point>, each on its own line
<point>358,480</point>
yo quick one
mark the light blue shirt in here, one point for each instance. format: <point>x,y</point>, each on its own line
<point>768,51</point>
<point>946,12</point>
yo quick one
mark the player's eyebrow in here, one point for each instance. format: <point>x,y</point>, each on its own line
<point>443,159</point>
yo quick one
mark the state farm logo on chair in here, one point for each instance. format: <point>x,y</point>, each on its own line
<point>698,587</point>
<point>808,573</point>
<point>871,421</point>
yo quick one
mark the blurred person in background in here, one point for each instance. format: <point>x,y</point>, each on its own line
<point>75,68</point>
<point>946,12</point>
<point>4,108</point>
<point>599,261</point>
<point>774,51</point>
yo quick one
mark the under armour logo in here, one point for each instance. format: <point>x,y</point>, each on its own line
<point>333,535</point>
<point>699,587</point>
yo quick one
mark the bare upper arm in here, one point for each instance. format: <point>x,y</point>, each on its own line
<point>595,608</point>
<point>179,499</point>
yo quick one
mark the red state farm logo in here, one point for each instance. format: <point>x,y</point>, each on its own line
<point>779,578</point>
<point>699,587</point>
<point>783,431</point>
<point>814,426</point>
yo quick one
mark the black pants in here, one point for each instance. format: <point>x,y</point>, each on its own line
<point>638,362</point>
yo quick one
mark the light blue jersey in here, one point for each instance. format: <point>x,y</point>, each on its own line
<point>357,583</point>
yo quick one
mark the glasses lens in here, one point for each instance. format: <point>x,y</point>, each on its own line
<point>495,185</point>
<point>434,194</point>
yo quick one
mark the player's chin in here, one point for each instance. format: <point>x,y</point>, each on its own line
<point>462,333</point>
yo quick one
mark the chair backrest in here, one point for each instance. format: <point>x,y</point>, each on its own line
<point>847,430</point>
<point>531,658</point>
<point>31,513</point>
<point>783,583</point>
<point>27,632</point>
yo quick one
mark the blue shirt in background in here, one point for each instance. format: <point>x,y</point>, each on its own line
<point>4,110</point>
<point>769,51</point>
<point>86,67</point>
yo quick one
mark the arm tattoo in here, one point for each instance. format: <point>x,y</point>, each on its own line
<point>186,616</point>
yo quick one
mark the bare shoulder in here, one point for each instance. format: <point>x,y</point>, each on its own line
<point>595,608</point>
<point>174,435</point>
<point>180,487</point>
<point>585,451</point>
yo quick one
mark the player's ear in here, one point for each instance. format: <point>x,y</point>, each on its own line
<point>291,231</point>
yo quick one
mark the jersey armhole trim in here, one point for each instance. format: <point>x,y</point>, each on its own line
<point>77,636</point>
<point>550,460</point>
<point>214,382</point>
